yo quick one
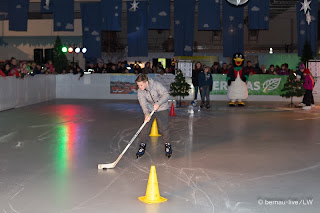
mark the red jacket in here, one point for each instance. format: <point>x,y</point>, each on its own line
<point>308,82</point>
<point>14,72</point>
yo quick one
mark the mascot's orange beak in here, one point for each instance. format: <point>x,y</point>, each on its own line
<point>238,61</point>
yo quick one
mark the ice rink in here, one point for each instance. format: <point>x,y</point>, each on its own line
<point>260,158</point>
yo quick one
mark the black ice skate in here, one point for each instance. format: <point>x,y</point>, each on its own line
<point>141,150</point>
<point>168,150</point>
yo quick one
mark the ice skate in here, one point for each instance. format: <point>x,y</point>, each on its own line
<point>141,150</point>
<point>168,150</point>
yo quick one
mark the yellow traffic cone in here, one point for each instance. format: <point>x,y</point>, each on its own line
<point>152,193</point>
<point>154,129</point>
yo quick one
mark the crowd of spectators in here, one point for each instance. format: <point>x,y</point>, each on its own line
<point>272,70</point>
<point>23,69</point>
<point>125,68</point>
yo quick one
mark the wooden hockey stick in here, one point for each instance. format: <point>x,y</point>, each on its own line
<point>112,165</point>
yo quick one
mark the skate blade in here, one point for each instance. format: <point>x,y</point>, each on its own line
<point>106,166</point>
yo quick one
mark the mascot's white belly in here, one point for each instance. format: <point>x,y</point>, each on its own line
<point>238,89</point>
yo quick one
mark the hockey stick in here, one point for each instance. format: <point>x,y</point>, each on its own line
<point>112,165</point>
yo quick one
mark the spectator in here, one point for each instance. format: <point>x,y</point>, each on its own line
<point>271,70</point>
<point>308,86</point>
<point>13,63</point>
<point>154,69</point>
<point>301,70</point>
<point>283,70</point>
<point>263,70</point>
<point>121,68</point>
<point>137,69</point>
<point>91,67</point>
<point>113,69</point>
<point>216,69</point>
<point>24,69</point>
<point>195,80</point>
<point>99,68</point>
<point>105,67</point>
<point>38,69</point>
<point>230,66</point>
<point>147,68</point>
<point>78,70</point>
<point>205,83</point>
<point>6,69</point>
<point>50,67</point>
<point>225,68</point>
<point>250,68</point>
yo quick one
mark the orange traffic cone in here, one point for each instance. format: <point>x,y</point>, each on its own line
<point>152,193</point>
<point>172,113</point>
<point>154,129</point>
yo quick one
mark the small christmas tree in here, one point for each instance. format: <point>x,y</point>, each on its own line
<point>293,87</point>
<point>179,87</point>
<point>307,53</point>
<point>60,61</point>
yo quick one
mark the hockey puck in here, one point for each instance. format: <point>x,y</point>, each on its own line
<point>104,169</point>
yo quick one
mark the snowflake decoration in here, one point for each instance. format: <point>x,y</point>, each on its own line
<point>231,18</point>
<point>154,19</point>
<point>134,6</point>
<point>177,22</point>
<point>302,32</point>
<point>240,26</point>
<point>97,38</point>
<point>266,18</point>
<point>58,24</point>
<point>116,14</point>
<point>305,6</point>
<point>137,28</point>
<point>116,7</point>
<point>217,1</point>
<point>308,18</point>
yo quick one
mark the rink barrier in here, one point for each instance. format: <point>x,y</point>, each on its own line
<point>113,86</point>
<point>16,92</point>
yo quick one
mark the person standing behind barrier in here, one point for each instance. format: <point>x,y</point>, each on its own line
<point>308,86</point>
<point>195,81</point>
<point>205,82</point>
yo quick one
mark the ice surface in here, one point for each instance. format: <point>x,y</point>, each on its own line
<point>224,159</point>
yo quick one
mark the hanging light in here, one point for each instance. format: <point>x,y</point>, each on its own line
<point>64,49</point>
<point>237,2</point>
<point>84,50</point>
<point>70,49</point>
<point>271,50</point>
<point>77,50</point>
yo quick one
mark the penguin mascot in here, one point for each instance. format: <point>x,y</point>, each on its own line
<point>237,78</point>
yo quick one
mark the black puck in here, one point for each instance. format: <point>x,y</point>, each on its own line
<point>104,169</point>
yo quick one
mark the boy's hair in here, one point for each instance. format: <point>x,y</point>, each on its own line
<point>142,78</point>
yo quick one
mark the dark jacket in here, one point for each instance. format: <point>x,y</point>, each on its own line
<point>232,76</point>
<point>205,79</point>
<point>195,79</point>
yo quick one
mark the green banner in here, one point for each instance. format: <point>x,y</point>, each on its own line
<point>257,84</point>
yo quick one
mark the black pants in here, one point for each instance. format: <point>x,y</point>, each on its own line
<point>308,98</point>
<point>205,94</point>
<point>162,118</point>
